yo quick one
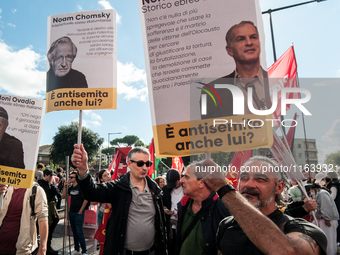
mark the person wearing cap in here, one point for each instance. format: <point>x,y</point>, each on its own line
<point>12,153</point>
<point>173,193</point>
<point>327,214</point>
<point>52,192</point>
<point>199,213</point>
<point>257,226</point>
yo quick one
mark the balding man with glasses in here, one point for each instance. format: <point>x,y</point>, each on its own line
<point>61,75</point>
<point>137,222</point>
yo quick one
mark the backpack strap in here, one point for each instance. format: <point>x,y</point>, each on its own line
<point>32,200</point>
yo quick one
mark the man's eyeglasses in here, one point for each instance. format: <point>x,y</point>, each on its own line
<point>71,177</point>
<point>141,163</point>
<point>69,58</point>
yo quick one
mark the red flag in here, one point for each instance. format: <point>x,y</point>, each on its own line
<point>177,163</point>
<point>152,158</point>
<point>284,69</point>
<point>100,234</point>
<point>290,134</point>
<point>120,162</point>
<point>238,160</point>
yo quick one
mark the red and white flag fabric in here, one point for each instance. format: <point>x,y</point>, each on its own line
<point>100,233</point>
<point>177,163</point>
<point>284,70</point>
<point>238,160</point>
<point>291,133</point>
<point>152,158</point>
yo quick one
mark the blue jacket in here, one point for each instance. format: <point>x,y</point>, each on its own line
<point>212,212</point>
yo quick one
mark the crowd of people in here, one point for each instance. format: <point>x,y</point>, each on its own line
<point>193,212</point>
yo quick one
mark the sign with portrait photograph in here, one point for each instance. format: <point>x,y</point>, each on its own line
<point>82,61</point>
<point>21,121</point>
<point>192,50</point>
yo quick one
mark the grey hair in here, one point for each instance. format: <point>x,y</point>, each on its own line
<point>62,40</point>
<point>281,176</point>
<point>242,23</point>
<point>137,150</point>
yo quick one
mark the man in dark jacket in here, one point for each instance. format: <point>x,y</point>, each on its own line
<point>137,222</point>
<point>333,185</point>
<point>52,192</point>
<point>199,213</point>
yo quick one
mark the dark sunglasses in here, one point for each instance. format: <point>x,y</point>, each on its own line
<point>141,163</point>
<point>71,177</point>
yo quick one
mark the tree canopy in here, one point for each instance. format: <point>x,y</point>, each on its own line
<point>67,136</point>
<point>127,140</point>
<point>333,158</point>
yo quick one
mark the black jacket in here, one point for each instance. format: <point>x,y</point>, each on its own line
<point>335,183</point>
<point>119,194</point>
<point>51,191</point>
<point>212,212</point>
<point>167,203</point>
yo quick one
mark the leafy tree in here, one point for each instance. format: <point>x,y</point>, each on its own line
<point>127,141</point>
<point>67,136</point>
<point>333,158</point>
<point>110,151</point>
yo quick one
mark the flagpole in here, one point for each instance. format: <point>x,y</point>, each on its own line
<point>164,164</point>
<point>303,116</point>
<point>79,127</point>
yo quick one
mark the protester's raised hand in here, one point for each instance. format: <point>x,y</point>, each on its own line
<point>215,179</point>
<point>79,159</point>
<point>3,188</point>
<point>310,205</point>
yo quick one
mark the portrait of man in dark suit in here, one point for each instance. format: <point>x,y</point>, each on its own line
<point>11,150</point>
<point>244,46</point>
<point>61,75</point>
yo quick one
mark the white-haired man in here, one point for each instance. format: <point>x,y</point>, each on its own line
<point>61,75</point>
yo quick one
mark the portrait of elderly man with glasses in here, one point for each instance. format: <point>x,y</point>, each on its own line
<point>61,75</point>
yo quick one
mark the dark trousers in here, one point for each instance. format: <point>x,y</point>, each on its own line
<point>172,242</point>
<point>77,221</point>
<point>53,220</point>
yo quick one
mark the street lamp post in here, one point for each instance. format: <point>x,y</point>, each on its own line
<point>108,145</point>
<point>270,11</point>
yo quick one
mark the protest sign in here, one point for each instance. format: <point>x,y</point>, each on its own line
<point>184,45</point>
<point>21,121</point>
<point>82,61</point>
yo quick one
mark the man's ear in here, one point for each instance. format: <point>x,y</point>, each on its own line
<point>229,51</point>
<point>279,187</point>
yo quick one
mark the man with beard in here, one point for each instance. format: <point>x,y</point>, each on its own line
<point>257,226</point>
